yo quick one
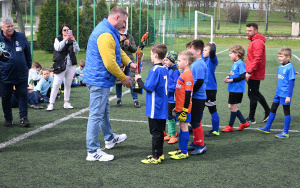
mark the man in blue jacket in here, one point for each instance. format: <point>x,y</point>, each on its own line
<point>14,72</point>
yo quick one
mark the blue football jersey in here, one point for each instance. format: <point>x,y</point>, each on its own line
<point>211,68</point>
<point>237,69</point>
<point>44,85</point>
<point>172,80</point>
<point>285,74</point>
<point>199,70</point>
<point>156,85</point>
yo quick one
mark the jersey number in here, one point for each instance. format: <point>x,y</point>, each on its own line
<point>166,84</point>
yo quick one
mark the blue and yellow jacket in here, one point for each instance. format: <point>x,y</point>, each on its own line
<point>104,57</point>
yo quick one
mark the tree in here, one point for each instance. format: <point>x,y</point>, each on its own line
<point>86,23</point>
<point>19,16</point>
<point>291,7</point>
<point>47,25</point>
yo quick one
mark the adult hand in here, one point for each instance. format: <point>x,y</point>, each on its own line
<point>72,38</point>
<point>137,76</point>
<point>127,82</point>
<point>126,42</point>
<point>133,66</point>
<point>247,76</point>
<point>122,38</point>
<point>67,38</point>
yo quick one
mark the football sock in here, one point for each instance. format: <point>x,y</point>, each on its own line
<point>185,136</point>
<point>179,139</point>
<point>240,116</point>
<point>198,137</point>
<point>270,120</point>
<point>287,122</point>
<point>232,118</point>
<point>172,127</point>
<point>215,120</point>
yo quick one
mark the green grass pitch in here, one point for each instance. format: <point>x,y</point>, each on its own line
<point>55,157</point>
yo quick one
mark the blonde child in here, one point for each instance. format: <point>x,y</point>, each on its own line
<point>43,88</point>
<point>79,73</point>
<point>184,90</point>
<point>34,74</point>
<point>284,92</point>
<point>236,87</point>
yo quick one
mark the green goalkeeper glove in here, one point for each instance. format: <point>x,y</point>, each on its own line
<point>183,115</point>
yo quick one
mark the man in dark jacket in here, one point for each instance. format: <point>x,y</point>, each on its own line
<point>255,71</point>
<point>14,72</point>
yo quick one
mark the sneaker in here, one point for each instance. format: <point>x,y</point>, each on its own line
<point>119,102</point>
<point>50,107</point>
<point>191,147</point>
<point>264,129</point>
<point>36,106</point>
<point>251,121</point>
<point>167,138</point>
<point>180,156</point>
<point>99,155</point>
<point>266,117</point>
<point>151,160</point>
<point>161,158</point>
<point>212,133</point>
<point>116,140</point>
<point>173,140</point>
<point>137,104</point>
<point>199,150</point>
<point>174,152</point>
<point>228,129</point>
<point>68,106</point>
<point>8,123</point>
<point>24,122</point>
<point>282,135</point>
<point>243,126</point>
<point>31,105</point>
<point>40,106</point>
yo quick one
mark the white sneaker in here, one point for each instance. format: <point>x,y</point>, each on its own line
<point>68,105</point>
<point>50,107</point>
<point>99,155</point>
<point>116,140</point>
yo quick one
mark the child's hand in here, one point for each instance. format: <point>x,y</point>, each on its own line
<point>287,99</point>
<point>137,77</point>
<point>227,77</point>
<point>183,115</point>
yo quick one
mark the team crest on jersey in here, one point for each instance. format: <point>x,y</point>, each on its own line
<point>280,77</point>
<point>231,73</point>
<point>178,87</point>
<point>17,43</point>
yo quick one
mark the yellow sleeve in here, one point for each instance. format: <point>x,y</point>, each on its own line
<point>106,46</point>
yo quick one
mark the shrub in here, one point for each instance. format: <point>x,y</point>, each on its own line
<point>233,13</point>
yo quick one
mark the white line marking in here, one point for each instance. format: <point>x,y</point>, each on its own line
<point>50,125</point>
<point>222,51</point>
<point>296,57</point>
<point>135,121</point>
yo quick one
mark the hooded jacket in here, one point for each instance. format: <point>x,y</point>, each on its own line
<point>256,57</point>
<point>15,70</point>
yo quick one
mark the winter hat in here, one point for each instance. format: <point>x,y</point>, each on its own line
<point>172,56</point>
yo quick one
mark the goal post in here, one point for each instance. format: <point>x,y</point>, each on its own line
<point>211,24</point>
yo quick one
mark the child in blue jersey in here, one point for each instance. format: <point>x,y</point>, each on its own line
<point>236,87</point>
<point>174,73</point>
<point>211,60</point>
<point>79,73</point>
<point>156,86</point>
<point>43,88</point>
<point>284,92</point>
<point>199,70</point>
<point>183,107</point>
